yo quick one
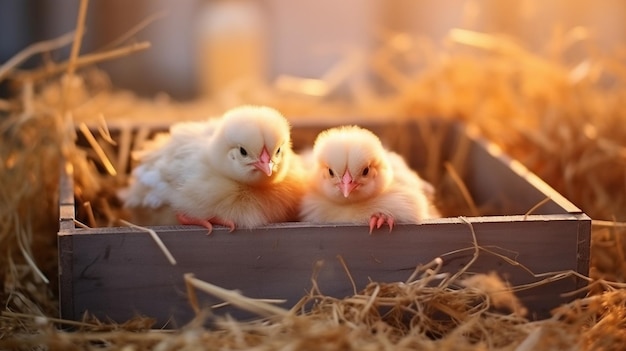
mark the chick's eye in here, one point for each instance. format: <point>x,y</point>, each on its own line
<point>278,151</point>
<point>330,171</point>
<point>366,170</point>
<point>243,151</point>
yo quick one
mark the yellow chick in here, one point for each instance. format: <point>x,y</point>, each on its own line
<point>356,180</point>
<point>238,171</point>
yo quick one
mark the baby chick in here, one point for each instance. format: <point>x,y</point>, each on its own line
<point>356,180</point>
<point>237,171</point>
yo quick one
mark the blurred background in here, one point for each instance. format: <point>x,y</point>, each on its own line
<point>198,46</point>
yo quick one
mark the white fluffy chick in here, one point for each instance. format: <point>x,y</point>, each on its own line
<point>238,171</point>
<point>356,180</point>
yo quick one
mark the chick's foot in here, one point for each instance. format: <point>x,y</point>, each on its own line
<point>378,219</point>
<point>207,223</point>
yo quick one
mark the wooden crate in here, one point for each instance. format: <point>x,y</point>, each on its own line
<point>119,272</point>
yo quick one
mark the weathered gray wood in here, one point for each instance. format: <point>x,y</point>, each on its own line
<point>120,272</point>
<point>507,185</point>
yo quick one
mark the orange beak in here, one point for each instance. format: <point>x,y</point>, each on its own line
<point>347,184</point>
<point>265,164</point>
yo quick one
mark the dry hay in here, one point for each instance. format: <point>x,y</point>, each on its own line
<point>561,120</point>
<point>415,314</point>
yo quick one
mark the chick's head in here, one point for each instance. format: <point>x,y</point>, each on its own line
<point>254,143</point>
<point>351,164</point>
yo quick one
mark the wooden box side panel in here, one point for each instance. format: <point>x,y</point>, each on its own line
<point>66,259</point>
<point>583,238</point>
<point>121,274</point>
<point>499,182</point>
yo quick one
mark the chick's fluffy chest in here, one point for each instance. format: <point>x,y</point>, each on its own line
<point>247,205</point>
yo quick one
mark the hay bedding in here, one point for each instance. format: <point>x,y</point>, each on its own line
<point>562,121</point>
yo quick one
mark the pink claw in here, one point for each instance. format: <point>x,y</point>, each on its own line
<point>377,220</point>
<point>225,222</point>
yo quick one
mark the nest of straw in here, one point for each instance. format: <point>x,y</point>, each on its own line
<point>561,119</point>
